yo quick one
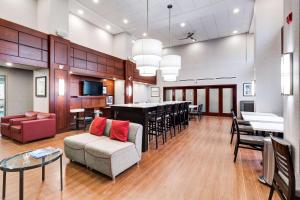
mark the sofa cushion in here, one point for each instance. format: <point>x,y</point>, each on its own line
<point>97,126</point>
<point>119,130</point>
<point>16,129</point>
<point>106,148</point>
<point>31,114</point>
<point>79,141</point>
<point>43,115</point>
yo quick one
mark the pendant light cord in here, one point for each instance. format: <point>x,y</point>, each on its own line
<point>170,7</point>
<point>148,17</point>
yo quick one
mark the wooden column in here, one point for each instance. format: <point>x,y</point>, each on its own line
<point>129,67</point>
<point>59,70</point>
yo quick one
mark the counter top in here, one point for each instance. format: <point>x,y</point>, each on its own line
<point>148,105</point>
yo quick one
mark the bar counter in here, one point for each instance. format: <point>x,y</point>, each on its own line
<point>138,113</point>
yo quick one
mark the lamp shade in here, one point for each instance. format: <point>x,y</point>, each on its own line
<point>147,55</point>
<point>147,71</point>
<point>170,62</point>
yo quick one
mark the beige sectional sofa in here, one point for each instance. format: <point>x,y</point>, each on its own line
<point>110,157</point>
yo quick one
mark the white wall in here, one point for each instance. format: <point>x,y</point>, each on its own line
<point>141,92</point>
<point>19,90</point>
<point>88,35</point>
<point>122,45</point>
<point>268,23</point>
<point>119,91</point>
<point>19,11</point>
<point>226,57</point>
<point>41,104</point>
<point>53,15</point>
<point>291,104</point>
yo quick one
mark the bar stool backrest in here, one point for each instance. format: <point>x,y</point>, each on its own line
<point>176,108</point>
<point>160,111</point>
<point>284,175</point>
<point>200,107</point>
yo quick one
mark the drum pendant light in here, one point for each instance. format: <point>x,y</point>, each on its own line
<point>170,64</point>
<point>147,53</point>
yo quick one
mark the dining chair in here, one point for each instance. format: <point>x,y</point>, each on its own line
<point>244,126</point>
<point>86,118</point>
<point>285,182</point>
<point>197,112</point>
<point>246,141</point>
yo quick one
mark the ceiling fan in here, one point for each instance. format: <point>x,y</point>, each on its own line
<point>189,36</point>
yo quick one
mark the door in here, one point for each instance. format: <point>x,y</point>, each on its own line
<point>217,100</point>
<point>2,96</point>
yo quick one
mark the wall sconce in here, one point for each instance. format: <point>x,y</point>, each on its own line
<point>61,87</point>
<point>130,90</point>
<point>287,74</point>
<point>253,83</point>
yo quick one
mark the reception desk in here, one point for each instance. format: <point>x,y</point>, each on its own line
<point>138,113</point>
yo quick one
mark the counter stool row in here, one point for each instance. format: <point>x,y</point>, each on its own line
<point>166,119</point>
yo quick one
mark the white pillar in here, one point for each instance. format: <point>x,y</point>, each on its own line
<point>268,23</point>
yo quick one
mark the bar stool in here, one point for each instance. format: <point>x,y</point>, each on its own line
<point>157,125</point>
<point>180,116</point>
<point>170,119</point>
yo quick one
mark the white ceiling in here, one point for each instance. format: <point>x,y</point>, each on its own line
<point>209,19</point>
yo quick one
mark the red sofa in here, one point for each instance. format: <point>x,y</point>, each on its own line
<point>29,127</point>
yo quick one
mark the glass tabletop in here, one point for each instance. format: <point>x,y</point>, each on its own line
<point>24,161</point>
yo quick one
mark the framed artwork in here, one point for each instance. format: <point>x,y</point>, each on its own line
<point>154,91</point>
<point>109,100</point>
<point>247,89</point>
<point>104,91</point>
<point>41,86</point>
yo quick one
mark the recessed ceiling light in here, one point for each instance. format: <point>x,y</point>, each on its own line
<point>125,21</point>
<point>133,41</point>
<point>8,64</point>
<point>144,34</point>
<point>236,10</point>
<point>107,27</point>
<point>80,12</point>
<point>235,32</point>
<point>96,1</point>
<point>194,40</point>
<point>182,24</point>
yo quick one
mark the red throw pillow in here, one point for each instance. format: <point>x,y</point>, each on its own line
<point>98,126</point>
<point>119,130</point>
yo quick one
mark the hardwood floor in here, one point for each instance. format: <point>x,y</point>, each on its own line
<point>196,164</point>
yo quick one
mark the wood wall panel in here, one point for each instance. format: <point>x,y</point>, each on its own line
<point>8,34</point>
<point>61,102</point>
<point>60,53</point>
<point>22,45</point>
<point>30,53</point>
<point>9,48</point>
<point>92,57</point>
<point>79,54</point>
<point>129,69</point>
<point>30,40</point>
<point>92,66</point>
<point>78,63</point>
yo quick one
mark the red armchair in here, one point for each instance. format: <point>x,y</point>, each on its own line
<point>5,121</point>
<point>44,126</point>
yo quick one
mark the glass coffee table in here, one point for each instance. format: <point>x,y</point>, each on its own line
<point>22,162</point>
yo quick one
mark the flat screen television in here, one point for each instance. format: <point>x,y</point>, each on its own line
<point>92,88</point>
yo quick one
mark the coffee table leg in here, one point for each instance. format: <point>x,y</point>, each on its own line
<point>43,173</point>
<point>4,185</point>
<point>61,180</point>
<point>21,186</point>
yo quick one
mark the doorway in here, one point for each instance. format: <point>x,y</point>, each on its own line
<point>217,100</point>
<point>2,96</point>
